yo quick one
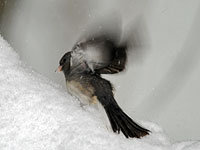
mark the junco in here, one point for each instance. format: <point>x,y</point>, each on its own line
<point>83,66</point>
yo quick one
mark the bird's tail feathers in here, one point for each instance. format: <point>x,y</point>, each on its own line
<point>121,122</point>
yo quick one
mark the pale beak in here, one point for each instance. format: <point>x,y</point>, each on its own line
<point>59,69</point>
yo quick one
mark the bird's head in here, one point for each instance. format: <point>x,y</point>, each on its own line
<point>64,63</point>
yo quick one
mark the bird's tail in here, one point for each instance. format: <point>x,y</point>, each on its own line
<point>121,122</point>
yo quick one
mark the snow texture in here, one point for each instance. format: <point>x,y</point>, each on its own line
<point>36,114</point>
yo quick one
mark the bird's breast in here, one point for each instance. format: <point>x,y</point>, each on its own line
<point>84,92</point>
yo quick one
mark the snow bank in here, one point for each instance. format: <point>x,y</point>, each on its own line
<point>36,114</point>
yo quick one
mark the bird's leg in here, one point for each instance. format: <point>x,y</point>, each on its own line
<point>82,105</point>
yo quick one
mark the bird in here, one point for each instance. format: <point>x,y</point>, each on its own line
<point>83,67</point>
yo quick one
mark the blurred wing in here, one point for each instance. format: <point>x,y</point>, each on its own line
<point>102,48</point>
<point>117,63</point>
<point>101,54</point>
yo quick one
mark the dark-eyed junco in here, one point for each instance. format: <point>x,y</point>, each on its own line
<point>83,66</point>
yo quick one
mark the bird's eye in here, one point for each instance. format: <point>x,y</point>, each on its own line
<point>64,60</point>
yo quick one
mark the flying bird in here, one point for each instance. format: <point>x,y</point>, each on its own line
<point>102,53</point>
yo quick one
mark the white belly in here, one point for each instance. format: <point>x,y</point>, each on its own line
<point>84,95</point>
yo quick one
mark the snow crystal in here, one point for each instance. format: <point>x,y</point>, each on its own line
<point>36,114</point>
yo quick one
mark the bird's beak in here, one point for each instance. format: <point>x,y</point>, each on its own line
<point>59,69</point>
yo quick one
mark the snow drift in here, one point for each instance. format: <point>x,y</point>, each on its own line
<point>36,114</point>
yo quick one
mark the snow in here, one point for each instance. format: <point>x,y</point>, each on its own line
<point>37,114</point>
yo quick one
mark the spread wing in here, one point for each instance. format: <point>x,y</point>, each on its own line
<point>117,62</point>
<point>103,49</point>
<point>102,54</point>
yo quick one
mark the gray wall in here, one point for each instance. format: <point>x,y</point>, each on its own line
<point>163,87</point>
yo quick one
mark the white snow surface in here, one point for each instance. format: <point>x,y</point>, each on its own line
<point>37,114</point>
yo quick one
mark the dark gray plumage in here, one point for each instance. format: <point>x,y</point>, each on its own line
<point>83,71</point>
